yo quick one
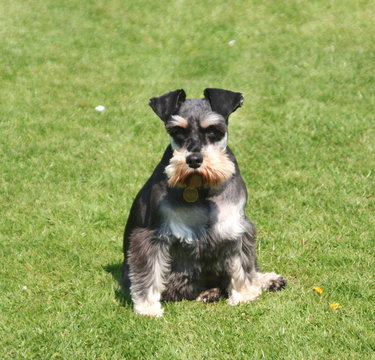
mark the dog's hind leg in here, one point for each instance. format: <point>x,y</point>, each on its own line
<point>270,281</point>
<point>210,295</point>
<point>148,261</point>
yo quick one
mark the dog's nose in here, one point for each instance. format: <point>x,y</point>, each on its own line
<point>194,160</point>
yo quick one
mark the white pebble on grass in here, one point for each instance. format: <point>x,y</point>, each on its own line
<point>100,108</point>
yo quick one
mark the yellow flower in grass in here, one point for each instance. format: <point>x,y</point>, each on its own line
<point>335,306</point>
<point>318,290</point>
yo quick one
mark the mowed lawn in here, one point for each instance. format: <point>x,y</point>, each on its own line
<point>304,140</point>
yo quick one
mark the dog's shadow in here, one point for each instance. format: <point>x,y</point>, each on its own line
<point>122,295</point>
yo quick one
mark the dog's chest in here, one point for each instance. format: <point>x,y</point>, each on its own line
<point>197,222</point>
<point>230,221</point>
<point>186,223</point>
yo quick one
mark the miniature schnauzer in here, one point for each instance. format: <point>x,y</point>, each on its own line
<point>187,235</point>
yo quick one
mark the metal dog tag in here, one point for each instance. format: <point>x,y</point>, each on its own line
<point>190,195</point>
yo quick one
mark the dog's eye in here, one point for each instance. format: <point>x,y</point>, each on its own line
<point>214,133</point>
<point>177,131</point>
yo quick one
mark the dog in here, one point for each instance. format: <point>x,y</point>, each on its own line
<point>187,234</point>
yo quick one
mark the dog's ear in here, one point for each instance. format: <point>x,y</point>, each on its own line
<point>224,102</point>
<point>167,104</point>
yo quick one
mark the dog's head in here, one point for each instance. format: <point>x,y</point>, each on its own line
<point>198,130</point>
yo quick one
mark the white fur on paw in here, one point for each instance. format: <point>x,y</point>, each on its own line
<point>235,298</point>
<point>149,309</point>
<point>245,296</point>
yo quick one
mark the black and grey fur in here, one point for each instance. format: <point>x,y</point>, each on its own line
<point>178,250</point>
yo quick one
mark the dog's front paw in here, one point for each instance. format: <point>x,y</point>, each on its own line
<point>234,299</point>
<point>149,309</point>
<point>244,296</point>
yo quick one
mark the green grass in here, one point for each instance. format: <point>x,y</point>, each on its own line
<point>304,140</point>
